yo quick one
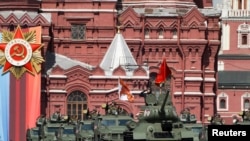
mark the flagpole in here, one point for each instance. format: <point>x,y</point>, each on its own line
<point>160,88</point>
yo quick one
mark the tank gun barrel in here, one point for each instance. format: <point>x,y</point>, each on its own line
<point>162,110</point>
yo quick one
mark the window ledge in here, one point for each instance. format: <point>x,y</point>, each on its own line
<point>219,109</point>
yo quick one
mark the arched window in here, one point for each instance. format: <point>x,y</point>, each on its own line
<point>12,27</point>
<point>222,103</point>
<point>245,101</point>
<point>190,51</point>
<point>244,39</point>
<point>246,104</point>
<point>76,103</point>
<point>243,35</point>
<point>163,52</point>
<point>157,50</point>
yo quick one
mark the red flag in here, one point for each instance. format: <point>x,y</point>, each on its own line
<point>124,91</point>
<point>164,72</point>
<point>33,94</point>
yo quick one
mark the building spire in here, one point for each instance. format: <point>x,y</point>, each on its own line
<point>118,54</point>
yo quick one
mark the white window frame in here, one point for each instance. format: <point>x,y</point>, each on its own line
<point>222,96</point>
<point>243,29</point>
<point>246,95</point>
<point>220,65</point>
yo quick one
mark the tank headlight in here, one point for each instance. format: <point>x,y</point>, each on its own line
<point>131,125</point>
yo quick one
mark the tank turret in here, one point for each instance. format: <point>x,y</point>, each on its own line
<point>158,121</point>
<point>158,108</point>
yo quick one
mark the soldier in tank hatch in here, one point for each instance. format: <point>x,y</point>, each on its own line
<point>145,92</point>
<point>246,115</point>
<point>148,90</point>
<point>106,108</point>
<point>113,108</point>
<point>217,120</point>
<point>120,110</point>
<point>94,113</point>
<point>186,113</point>
<point>57,115</point>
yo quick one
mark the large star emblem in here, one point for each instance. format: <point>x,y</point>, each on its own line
<point>18,52</point>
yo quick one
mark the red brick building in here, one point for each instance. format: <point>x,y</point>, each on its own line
<point>90,44</point>
<point>233,59</point>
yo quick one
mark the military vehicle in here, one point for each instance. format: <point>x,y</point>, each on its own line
<point>40,132</point>
<point>48,131</point>
<point>187,117</point>
<point>199,130</point>
<point>32,134</point>
<point>159,121</point>
<point>111,127</point>
<point>245,118</point>
<point>190,123</point>
<point>203,136</point>
<point>216,120</point>
<point>85,131</point>
<point>58,118</point>
<point>66,133</point>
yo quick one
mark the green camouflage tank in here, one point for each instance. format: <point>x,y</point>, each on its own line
<point>158,121</point>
